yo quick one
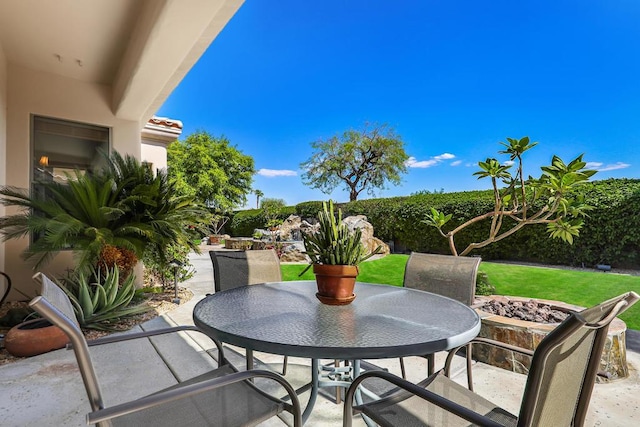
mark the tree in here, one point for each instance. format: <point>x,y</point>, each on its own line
<point>555,206</point>
<point>211,170</point>
<point>258,194</point>
<point>365,159</point>
<point>270,209</point>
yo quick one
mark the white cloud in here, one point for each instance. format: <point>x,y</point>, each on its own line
<point>412,162</point>
<point>508,163</point>
<point>610,167</point>
<point>456,163</point>
<point>444,156</point>
<point>270,173</point>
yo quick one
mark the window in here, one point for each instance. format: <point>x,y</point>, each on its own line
<point>61,146</point>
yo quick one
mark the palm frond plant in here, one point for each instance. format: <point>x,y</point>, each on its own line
<point>123,205</point>
<point>83,214</point>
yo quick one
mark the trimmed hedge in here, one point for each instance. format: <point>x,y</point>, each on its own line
<point>243,223</point>
<point>610,235</point>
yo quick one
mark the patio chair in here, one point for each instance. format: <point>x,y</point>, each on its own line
<point>232,269</point>
<point>557,392</point>
<point>447,275</point>
<point>221,397</point>
<point>5,286</point>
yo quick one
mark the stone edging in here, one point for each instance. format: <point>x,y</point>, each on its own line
<point>529,334</point>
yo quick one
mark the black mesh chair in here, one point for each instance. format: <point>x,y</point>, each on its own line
<point>5,286</point>
<point>232,269</point>
<point>557,393</point>
<point>221,397</point>
<point>447,275</point>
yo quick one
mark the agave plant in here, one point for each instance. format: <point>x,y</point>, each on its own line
<point>334,243</point>
<point>100,303</point>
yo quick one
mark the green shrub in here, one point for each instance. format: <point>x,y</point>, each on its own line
<point>244,222</point>
<point>483,285</point>
<point>308,210</point>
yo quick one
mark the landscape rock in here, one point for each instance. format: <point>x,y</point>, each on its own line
<point>369,241</point>
<point>290,228</point>
<point>531,311</point>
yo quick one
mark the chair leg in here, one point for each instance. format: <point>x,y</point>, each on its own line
<point>249,356</point>
<point>431,364</point>
<point>402,370</point>
<point>284,365</point>
<point>336,363</point>
<point>469,372</point>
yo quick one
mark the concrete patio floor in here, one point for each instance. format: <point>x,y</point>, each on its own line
<point>47,390</point>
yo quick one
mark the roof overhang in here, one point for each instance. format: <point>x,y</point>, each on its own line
<point>142,49</point>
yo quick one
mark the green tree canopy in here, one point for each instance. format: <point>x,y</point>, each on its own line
<point>359,159</point>
<point>211,170</point>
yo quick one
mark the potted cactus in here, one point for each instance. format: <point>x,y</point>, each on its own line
<point>335,253</point>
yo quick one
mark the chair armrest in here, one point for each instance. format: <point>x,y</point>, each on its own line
<point>146,334</point>
<point>487,341</point>
<point>195,389</point>
<point>419,391</point>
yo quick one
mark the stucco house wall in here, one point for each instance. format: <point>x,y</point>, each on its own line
<point>31,92</point>
<point>108,63</point>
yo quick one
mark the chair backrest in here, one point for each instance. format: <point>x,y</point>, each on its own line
<point>232,269</point>
<point>565,364</point>
<point>5,286</point>
<point>54,305</point>
<point>447,275</point>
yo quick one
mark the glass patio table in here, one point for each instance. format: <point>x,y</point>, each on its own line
<point>382,322</point>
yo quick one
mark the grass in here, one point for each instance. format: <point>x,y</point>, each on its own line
<point>388,270</point>
<point>574,287</point>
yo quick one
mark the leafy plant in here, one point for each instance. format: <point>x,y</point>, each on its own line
<point>483,284</point>
<point>270,209</point>
<point>517,201</point>
<point>101,302</point>
<point>123,205</point>
<point>157,271</point>
<point>334,243</point>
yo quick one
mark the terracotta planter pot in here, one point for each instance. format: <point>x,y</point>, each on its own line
<point>335,283</point>
<point>34,337</point>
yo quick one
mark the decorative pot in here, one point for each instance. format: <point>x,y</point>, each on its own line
<point>335,283</point>
<point>34,337</point>
<point>215,239</point>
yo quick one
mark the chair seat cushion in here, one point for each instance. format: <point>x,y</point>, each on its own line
<point>402,408</point>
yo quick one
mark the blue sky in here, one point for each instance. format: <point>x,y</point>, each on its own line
<point>452,77</point>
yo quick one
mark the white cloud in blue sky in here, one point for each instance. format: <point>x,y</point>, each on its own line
<point>412,162</point>
<point>271,173</point>
<point>601,167</point>
<point>456,163</point>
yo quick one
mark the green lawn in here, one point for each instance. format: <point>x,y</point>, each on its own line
<point>574,287</point>
<point>388,270</point>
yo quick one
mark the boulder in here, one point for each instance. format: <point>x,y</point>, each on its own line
<point>369,241</point>
<point>290,228</point>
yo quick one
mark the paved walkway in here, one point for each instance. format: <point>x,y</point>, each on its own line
<point>47,390</point>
